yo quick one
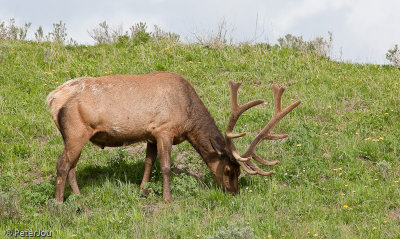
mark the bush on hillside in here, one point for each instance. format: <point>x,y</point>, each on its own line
<point>319,45</point>
<point>137,34</point>
<point>393,55</point>
<point>11,31</point>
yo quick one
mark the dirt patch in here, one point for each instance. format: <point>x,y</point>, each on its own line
<point>362,158</point>
<point>39,180</point>
<point>153,209</point>
<point>43,139</point>
<point>326,154</point>
<point>181,165</point>
<point>353,104</point>
<point>255,83</point>
<point>394,214</point>
<point>135,149</point>
<point>349,106</point>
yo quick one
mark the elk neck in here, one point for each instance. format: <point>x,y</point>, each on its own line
<point>205,137</point>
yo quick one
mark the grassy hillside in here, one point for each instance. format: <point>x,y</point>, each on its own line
<point>339,169</point>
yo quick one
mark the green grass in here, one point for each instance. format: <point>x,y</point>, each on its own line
<point>339,169</point>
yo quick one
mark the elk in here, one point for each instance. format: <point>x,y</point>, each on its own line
<point>161,108</point>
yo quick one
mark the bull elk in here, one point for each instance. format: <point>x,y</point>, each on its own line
<point>160,108</point>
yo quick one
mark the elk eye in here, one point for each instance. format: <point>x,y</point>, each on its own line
<point>227,170</point>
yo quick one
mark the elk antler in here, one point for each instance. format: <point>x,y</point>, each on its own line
<point>237,110</point>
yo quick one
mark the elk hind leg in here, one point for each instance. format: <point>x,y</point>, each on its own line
<point>151,154</point>
<point>65,163</point>
<point>75,137</point>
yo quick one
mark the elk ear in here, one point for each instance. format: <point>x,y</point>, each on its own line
<point>220,151</point>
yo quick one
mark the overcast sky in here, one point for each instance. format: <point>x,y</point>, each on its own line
<point>363,30</point>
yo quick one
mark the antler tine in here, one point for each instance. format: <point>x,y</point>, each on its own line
<point>278,92</point>
<point>265,162</point>
<point>247,169</point>
<point>236,111</point>
<point>254,167</point>
<point>265,132</point>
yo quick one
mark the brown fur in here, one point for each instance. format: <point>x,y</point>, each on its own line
<point>160,108</point>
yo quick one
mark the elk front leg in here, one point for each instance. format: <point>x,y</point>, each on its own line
<point>151,154</point>
<point>164,145</point>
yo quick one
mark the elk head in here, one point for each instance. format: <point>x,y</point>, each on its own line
<point>231,160</point>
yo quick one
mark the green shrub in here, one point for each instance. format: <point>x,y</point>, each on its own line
<point>393,55</point>
<point>233,231</point>
<point>9,204</point>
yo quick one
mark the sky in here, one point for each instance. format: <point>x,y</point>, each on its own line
<point>363,30</point>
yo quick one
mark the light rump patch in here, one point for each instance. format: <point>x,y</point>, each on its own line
<point>58,97</point>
